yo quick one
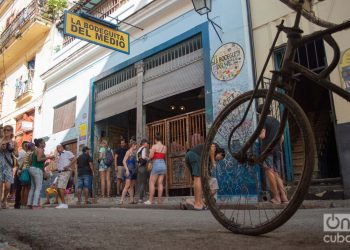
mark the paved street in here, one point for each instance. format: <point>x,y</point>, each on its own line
<point>120,228</point>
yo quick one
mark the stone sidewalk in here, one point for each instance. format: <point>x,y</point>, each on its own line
<point>174,203</point>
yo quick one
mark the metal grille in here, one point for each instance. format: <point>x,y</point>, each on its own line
<point>311,56</point>
<point>179,133</point>
<point>115,79</point>
<point>180,50</point>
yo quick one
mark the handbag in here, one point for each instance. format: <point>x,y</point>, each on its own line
<point>25,178</point>
<point>149,166</point>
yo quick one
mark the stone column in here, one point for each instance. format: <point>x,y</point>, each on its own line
<point>139,102</point>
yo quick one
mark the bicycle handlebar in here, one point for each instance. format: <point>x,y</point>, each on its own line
<point>309,15</point>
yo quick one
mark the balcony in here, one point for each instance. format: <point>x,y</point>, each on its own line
<point>24,91</point>
<point>27,30</point>
<point>4,4</point>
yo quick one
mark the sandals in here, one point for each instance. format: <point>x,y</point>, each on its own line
<point>274,201</point>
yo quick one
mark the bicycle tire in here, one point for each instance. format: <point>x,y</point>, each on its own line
<point>301,188</point>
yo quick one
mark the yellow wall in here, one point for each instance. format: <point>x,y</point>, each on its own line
<point>267,14</point>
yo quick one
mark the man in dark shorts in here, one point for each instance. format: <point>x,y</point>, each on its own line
<point>85,174</point>
<point>119,155</point>
<point>272,163</point>
<point>193,162</point>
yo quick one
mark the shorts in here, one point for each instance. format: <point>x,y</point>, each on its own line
<point>159,167</point>
<point>120,172</point>
<point>102,166</point>
<point>62,179</point>
<point>132,175</point>
<point>273,161</point>
<point>193,163</point>
<point>84,182</point>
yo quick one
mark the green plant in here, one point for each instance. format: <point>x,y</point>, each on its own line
<point>55,7</point>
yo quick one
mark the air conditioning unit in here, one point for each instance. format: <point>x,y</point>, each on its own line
<point>26,126</point>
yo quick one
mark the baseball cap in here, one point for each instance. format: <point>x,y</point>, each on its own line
<point>85,148</point>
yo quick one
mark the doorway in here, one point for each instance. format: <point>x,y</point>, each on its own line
<point>317,104</point>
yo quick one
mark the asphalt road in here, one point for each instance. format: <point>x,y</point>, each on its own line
<point>120,228</point>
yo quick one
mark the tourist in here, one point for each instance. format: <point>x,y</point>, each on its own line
<point>130,168</point>
<point>119,155</point>
<point>65,161</point>
<point>85,173</point>
<point>36,173</point>
<point>159,169</point>
<point>193,162</point>
<point>142,174</point>
<point>8,150</point>
<point>27,161</point>
<point>18,184</point>
<point>272,162</point>
<point>104,168</point>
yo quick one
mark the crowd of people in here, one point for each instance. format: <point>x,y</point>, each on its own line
<point>137,167</point>
<point>32,173</point>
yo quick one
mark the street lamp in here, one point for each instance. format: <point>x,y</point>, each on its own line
<point>204,7</point>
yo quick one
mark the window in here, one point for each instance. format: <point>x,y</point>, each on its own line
<point>64,116</point>
<point>311,56</point>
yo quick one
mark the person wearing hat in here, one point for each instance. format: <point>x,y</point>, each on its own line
<point>142,175</point>
<point>85,173</point>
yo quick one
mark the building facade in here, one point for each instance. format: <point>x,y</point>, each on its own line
<point>164,85</point>
<point>328,113</point>
<point>25,29</point>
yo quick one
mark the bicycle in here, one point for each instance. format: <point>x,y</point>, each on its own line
<point>244,208</point>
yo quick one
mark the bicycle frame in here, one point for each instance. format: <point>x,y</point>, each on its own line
<point>286,79</point>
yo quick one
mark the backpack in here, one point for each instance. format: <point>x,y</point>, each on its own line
<point>108,160</point>
<point>140,160</point>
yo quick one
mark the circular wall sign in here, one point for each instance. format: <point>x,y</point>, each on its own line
<point>227,61</point>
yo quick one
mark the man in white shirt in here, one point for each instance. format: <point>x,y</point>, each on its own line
<point>65,160</point>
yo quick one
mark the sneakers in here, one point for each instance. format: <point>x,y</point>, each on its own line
<point>62,205</point>
<point>148,203</point>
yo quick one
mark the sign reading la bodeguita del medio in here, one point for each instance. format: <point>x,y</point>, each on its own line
<point>96,32</point>
<point>227,61</point>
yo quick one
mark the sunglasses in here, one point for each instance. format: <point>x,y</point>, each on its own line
<point>8,129</point>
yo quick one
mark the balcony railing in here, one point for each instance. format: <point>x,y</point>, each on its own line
<point>23,88</point>
<point>24,16</point>
<point>102,10</point>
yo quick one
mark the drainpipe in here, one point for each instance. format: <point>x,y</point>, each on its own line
<point>250,27</point>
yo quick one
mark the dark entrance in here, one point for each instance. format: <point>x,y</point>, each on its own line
<point>317,104</point>
<point>181,121</point>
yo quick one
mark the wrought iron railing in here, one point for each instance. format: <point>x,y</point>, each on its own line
<point>23,17</point>
<point>102,10</point>
<point>116,82</point>
<point>173,58</point>
<point>22,88</point>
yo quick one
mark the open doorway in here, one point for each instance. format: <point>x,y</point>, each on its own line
<point>317,104</point>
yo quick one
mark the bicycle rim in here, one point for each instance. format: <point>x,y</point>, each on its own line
<point>242,203</point>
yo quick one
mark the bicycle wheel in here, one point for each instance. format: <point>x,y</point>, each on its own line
<point>241,203</point>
